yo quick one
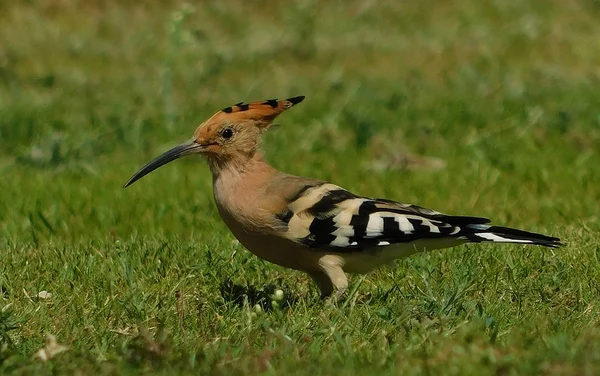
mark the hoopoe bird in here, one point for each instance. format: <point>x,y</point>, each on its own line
<point>311,225</point>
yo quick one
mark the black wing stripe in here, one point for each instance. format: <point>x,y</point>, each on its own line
<point>322,226</point>
<point>359,224</point>
<point>419,227</point>
<point>391,229</point>
<point>320,232</point>
<point>302,190</point>
<point>329,201</point>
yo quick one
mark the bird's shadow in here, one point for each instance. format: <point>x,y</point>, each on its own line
<point>251,295</point>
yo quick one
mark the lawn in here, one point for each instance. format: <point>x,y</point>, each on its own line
<point>486,108</point>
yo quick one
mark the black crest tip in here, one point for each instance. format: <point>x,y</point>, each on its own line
<point>296,100</point>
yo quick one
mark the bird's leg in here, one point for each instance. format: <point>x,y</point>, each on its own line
<point>340,290</point>
<point>323,282</point>
<point>332,267</point>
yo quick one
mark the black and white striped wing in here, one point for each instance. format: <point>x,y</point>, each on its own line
<point>327,216</point>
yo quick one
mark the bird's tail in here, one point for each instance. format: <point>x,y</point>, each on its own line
<point>485,233</point>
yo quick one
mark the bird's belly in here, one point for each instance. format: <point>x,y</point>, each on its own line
<point>278,251</point>
<point>272,248</point>
<point>369,259</point>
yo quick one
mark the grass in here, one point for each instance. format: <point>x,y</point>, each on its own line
<point>148,280</point>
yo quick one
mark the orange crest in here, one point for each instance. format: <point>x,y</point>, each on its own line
<point>260,111</point>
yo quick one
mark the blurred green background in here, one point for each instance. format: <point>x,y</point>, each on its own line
<point>487,108</point>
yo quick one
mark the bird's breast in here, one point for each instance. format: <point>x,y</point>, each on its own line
<point>254,226</point>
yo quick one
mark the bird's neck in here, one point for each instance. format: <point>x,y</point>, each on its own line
<point>234,168</point>
<point>239,186</point>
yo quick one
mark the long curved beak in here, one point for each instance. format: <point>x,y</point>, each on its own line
<point>177,152</point>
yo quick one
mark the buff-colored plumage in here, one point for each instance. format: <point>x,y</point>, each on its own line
<point>310,225</point>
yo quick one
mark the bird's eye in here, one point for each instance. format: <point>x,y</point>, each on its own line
<point>227,133</point>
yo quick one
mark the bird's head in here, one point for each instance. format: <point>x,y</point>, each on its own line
<point>233,132</point>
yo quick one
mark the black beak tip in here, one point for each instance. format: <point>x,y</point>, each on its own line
<point>129,182</point>
<point>132,180</point>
